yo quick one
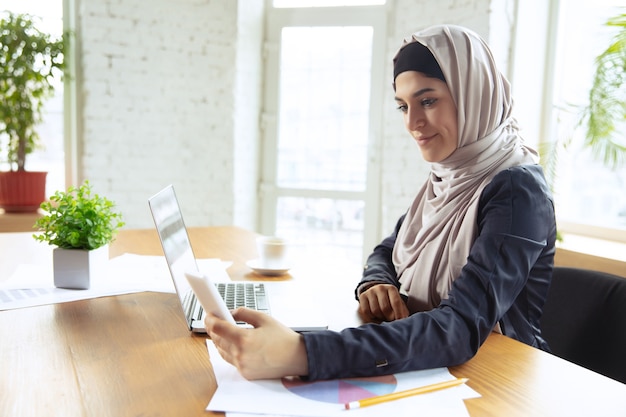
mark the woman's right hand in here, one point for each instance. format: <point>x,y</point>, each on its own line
<point>269,350</point>
<point>382,302</point>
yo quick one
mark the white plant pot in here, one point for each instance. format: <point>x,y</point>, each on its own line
<point>76,268</point>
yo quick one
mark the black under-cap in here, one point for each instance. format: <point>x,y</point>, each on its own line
<point>416,57</point>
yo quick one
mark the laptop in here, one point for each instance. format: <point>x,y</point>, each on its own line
<point>180,259</point>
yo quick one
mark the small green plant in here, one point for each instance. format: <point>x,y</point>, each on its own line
<point>78,219</point>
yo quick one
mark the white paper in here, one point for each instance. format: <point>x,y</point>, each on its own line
<point>33,285</point>
<point>239,397</point>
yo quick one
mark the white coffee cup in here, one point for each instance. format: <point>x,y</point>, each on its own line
<point>272,252</point>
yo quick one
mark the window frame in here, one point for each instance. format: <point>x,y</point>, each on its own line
<point>536,41</point>
<point>269,192</point>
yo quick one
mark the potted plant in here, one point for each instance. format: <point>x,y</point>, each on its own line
<point>605,114</point>
<point>81,224</point>
<point>29,60</point>
<point>603,117</point>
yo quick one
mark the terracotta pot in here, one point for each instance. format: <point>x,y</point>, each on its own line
<point>22,191</point>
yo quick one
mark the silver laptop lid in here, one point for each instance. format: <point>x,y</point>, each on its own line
<point>177,249</point>
<point>179,255</point>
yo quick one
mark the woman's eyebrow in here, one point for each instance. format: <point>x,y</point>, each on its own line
<point>418,93</point>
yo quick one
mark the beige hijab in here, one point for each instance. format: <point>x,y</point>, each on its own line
<point>440,226</point>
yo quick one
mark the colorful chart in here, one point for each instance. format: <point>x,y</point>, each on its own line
<point>340,391</point>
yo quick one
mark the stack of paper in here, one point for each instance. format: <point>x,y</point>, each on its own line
<point>32,285</point>
<point>238,397</point>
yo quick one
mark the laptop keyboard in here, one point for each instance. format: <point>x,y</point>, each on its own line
<point>235,294</point>
<point>239,294</point>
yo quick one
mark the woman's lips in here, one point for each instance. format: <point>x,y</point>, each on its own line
<point>423,140</point>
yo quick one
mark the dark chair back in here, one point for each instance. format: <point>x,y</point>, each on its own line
<point>584,320</point>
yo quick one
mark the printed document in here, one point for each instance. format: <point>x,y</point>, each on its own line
<point>238,397</point>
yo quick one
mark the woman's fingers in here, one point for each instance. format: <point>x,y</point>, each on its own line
<point>268,350</point>
<point>382,302</point>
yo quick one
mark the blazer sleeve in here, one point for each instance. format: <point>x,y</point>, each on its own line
<point>515,223</point>
<point>379,267</point>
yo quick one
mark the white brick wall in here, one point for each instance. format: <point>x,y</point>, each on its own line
<point>171,94</point>
<point>158,104</point>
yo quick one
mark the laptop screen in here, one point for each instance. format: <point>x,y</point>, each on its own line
<point>175,241</point>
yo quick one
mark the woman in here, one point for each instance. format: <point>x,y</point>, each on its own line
<point>473,253</point>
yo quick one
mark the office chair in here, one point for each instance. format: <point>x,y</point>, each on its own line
<point>584,320</point>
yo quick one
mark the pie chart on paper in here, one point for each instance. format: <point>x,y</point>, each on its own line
<point>340,391</point>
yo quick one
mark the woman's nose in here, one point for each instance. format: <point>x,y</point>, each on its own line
<point>415,120</point>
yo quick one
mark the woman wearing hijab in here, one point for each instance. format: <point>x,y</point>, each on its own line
<point>473,253</point>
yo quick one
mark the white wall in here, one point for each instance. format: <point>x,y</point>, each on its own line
<point>158,87</point>
<point>171,94</point>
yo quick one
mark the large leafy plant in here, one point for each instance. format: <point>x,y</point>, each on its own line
<point>603,118</point>
<point>29,61</point>
<point>605,115</point>
<point>78,219</point>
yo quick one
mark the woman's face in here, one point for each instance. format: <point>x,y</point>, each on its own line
<point>429,112</point>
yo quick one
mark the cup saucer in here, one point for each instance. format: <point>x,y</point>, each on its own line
<point>256,266</point>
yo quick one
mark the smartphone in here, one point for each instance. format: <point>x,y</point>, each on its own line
<point>209,297</point>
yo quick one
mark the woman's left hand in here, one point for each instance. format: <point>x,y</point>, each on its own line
<point>269,350</point>
<point>382,302</point>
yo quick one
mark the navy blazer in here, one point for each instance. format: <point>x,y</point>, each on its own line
<point>505,281</point>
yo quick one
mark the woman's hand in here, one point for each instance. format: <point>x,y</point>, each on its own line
<point>269,350</point>
<point>382,302</point>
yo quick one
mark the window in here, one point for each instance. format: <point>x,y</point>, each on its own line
<point>50,157</point>
<point>590,198</point>
<point>325,3</point>
<point>318,113</point>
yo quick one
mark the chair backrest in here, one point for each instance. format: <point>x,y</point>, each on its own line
<point>584,320</point>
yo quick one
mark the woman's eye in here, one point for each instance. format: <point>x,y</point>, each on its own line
<point>427,102</point>
<point>402,108</point>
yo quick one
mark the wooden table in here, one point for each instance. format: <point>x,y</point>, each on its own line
<point>132,355</point>
<point>18,222</point>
